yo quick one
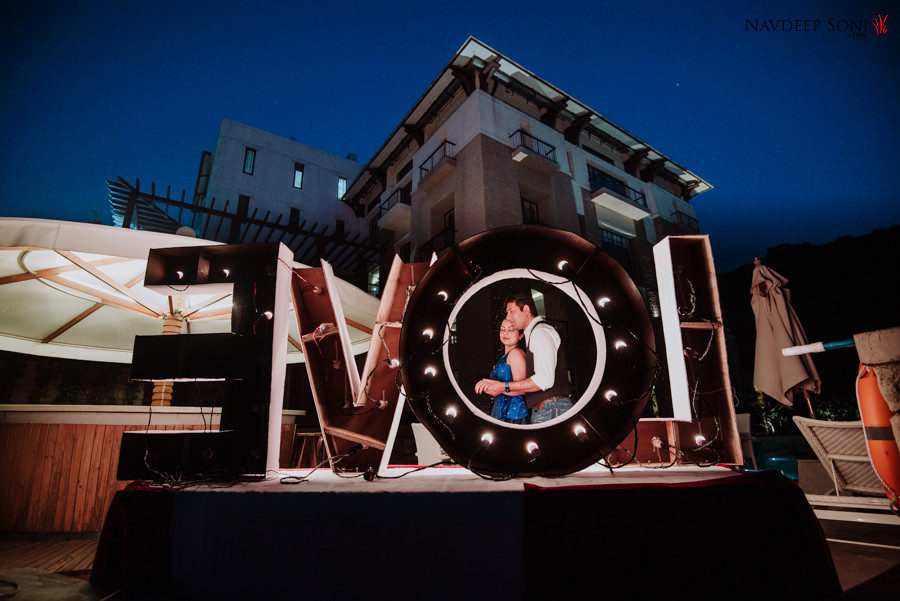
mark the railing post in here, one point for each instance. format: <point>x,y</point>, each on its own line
<point>131,207</point>
<point>238,219</point>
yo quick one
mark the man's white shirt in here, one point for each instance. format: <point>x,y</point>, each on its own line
<point>544,345</point>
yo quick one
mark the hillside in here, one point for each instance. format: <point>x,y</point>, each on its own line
<point>838,289</point>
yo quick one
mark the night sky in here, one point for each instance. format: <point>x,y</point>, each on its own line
<point>797,131</point>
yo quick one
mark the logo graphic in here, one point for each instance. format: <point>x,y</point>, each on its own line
<point>880,24</point>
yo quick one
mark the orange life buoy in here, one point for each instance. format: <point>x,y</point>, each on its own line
<point>883,448</point>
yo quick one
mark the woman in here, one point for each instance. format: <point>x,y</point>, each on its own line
<point>510,368</point>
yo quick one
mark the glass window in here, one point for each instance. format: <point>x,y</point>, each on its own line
<point>298,175</point>
<point>249,160</point>
<point>342,186</point>
<point>618,247</point>
<point>529,212</point>
<point>373,279</point>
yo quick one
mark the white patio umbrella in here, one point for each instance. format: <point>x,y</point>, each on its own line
<point>75,290</point>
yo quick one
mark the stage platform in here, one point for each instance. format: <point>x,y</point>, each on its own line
<point>445,533</point>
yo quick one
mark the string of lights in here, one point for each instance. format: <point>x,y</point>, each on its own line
<point>629,377</point>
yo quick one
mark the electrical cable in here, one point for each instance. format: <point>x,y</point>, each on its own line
<point>414,470</point>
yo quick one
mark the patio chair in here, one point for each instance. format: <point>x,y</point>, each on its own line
<point>841,448</point>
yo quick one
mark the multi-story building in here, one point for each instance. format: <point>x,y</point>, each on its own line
<point>491,144</point>
<point>268,176</point>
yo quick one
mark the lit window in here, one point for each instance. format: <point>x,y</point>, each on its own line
<point>342,186</point>
<point>249,160</point>
<point>298,175</point>
<point>373,279</point>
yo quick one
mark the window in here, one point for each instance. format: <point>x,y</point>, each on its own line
<point>298,175</point>
<point>529,212</point>
<point>598,179</point>
<point>618,247</point>
<point>373,279</point>
<point>249,160</point>
<point>342,186</point>
<point>449,221</point>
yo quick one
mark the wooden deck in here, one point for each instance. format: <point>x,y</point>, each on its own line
<point>73,556</point>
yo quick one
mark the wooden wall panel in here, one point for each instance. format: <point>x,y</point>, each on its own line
<point>62,477</point>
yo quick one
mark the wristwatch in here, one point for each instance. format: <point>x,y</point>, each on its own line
<point>507,387</point>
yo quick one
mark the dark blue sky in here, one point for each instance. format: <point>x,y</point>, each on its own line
<point>797,132</point>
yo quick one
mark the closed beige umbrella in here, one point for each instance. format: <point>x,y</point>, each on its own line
<point>778,327</point>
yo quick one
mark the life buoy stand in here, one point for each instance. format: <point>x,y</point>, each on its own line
<point>883,450</point>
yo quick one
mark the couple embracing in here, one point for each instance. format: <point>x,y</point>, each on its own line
<point>529,386</point>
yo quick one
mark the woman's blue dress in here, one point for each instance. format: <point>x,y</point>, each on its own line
<point>507,408</point>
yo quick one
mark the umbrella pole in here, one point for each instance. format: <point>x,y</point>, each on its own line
<point>812,413</point>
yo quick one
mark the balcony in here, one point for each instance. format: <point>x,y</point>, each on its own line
<point>533,152</point>
<point>686,222</point>
<point>440,242</point>
<point>438,163</point>
<point>616,195</point>
<point>395,211</point>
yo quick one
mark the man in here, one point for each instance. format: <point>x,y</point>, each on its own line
<point>547,390</point>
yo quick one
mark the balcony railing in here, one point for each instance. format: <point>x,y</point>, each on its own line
<point>597,180</point>
<point>526,140</point>
<point>400,195</point>
<point>686,220</point>
<point>442,240</point>
<point>446,150</point>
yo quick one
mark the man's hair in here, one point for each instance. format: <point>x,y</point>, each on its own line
<point>522,301</point>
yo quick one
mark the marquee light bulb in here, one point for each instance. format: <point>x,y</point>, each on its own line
<point>450,412</point>
<point>428,332</point>
<point>395,363</point>
<point>488,438</point>
<point>531,447</point>
<point>268,314</point>
<point>579,430</point>
<point>610,395</point>
<point>656,441</point>
<point>180,274</point>
<point>603,301</point>
<point>561,265</point>
<point>699,439</point>
<point>620,344</point>
<point>443,294</point>
<point>227,272</point>
<point>430,371</point>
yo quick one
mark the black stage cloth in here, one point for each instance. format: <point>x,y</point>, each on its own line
<point>648,536</point>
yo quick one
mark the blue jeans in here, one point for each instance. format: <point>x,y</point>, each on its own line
<point>550,410</point>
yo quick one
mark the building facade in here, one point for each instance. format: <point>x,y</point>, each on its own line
<point>490,144</point>
<point>263,174</point>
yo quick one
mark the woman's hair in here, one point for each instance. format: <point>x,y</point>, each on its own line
<point>522,301</point>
